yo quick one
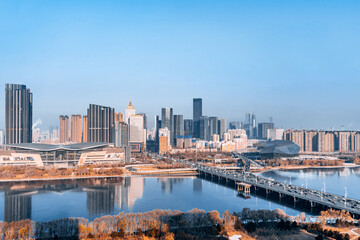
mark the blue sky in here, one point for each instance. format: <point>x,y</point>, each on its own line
<point>297,61</point>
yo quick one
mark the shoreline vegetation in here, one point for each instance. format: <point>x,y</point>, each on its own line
<point>193,224</point>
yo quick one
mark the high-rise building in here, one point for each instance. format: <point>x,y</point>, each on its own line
<point>85,129</point>
<point>178,127</point>
<point>121,134</point>
<point>326,141</point>
<point>254,129</point>
<point>100,124</point>
<point>311,141</point>
<point>263,129</point>
<point>197,113</point>
<point>357,142</point>
<point>213,126</point>
<point>275,134</point>
<point>145,119</point>
<point>2,137</point>
<point>18,114</point>
<point>157,127</point>
<point>129,111</point>
<point>137,133</point>
<point>119,117</point>
<point>64,128</point>
<point>188,127</point>
<point>235,125</point>
<point>75,128</point>
<point>164,140</point>
<point>344,142</point>
<point>247,118</point>
<point>167,119</point>
<point>204,128</point>
<point>222,127</point>
<point>297,136</point>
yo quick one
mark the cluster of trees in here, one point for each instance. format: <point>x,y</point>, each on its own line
<point>158,224</point>
<point>309,162</point>
<point>9,172</point>
<point>16,230</point>
<point>319,229</point>
<point>168,225</point>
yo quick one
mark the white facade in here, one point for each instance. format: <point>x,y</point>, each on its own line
<point>2,137</point>
<point>137,132</point>
<point>165,132</point>
<point>129,111</point>
<point>275,134</point>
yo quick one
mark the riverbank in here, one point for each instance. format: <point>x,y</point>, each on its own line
<point>308,167</point>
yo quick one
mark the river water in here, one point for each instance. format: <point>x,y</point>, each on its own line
<point>94,198</point>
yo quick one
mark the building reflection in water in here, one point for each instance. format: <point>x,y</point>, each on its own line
<point>197,185</point>
<point>131,190</point>
<point>17,205</point>
<point>100,200</point>
<point>167,184</point>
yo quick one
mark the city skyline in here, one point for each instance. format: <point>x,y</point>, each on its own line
<point>274,59</point>
<point>264,119</point>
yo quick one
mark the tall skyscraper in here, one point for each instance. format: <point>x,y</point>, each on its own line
<point>157,128</point>
<point>188,127</point>
<point>137,131</point>
<point>129,111</point>
<point>235,125</point>
<point>197,113</point>
<point>2,137</point>
<point>64,128</point>
<point>100,124</point>
<point>178,127</point>
<point>254,129</point>
<point>75,128</point>
<point>121,134</point>
<point>167,119</point>
<point>85,129</point>
<point>204,128</point>
<point>18,114</point>
<point>222,127</point>
<point>213,126</point>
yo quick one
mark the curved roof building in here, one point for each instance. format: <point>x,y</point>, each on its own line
<point>279,148</point>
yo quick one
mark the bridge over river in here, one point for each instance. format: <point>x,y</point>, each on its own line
<point>307,197</point>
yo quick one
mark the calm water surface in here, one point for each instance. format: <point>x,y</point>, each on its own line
<point>334,180</point>
<point>94,198</point>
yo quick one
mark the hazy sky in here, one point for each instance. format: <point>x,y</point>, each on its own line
<point>297,61</point>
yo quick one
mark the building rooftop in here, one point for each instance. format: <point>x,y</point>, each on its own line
<point>54,147</point>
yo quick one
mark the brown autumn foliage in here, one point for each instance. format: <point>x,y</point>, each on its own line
<point>20,172</point>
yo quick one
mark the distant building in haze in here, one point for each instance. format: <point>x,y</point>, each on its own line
<point>263,129</point>
<point>235,125</point>
<point>18,114</point>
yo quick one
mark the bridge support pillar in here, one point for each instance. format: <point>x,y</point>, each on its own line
<point>312,204</point>
<point>281,196</point>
